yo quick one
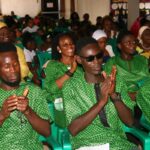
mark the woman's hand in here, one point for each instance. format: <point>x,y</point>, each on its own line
<point>73,65</point>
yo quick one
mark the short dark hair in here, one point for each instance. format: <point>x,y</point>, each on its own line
<point>83,42</point>
<point>122,35</point>
<point>7,46</point>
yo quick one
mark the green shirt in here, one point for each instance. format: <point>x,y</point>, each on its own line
<point>79,97</point>
<point>143,99</point>
<point>131,71</point>
<point>15,135</point>
<point>54,70</point>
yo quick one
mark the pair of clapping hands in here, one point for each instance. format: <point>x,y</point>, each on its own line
<point>108,85</point>
<point>14,102</point>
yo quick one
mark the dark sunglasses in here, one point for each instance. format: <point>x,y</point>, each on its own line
<point>91,58</point>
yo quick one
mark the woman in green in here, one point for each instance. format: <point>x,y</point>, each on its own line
<point>131,68</point>
<point>94,111</point>
<point>59,71</point>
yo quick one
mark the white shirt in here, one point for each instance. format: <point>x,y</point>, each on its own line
<point>29,55</point>
<point>30,30</point>
<point>110,50</point>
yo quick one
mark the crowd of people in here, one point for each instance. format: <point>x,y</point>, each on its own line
<point>97,77</point>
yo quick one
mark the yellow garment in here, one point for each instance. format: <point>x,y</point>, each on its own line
<point>2,24</point>
<point>23,65</point>
<point>146,54</point>
<point>141,52</point>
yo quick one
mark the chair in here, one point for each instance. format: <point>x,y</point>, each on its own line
<point>59,138</point>
<point>141,135</point>
<point>145,123</point>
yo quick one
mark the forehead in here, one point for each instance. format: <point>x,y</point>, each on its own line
<point>146,32</point>
<point>8,57</point>
<point>65,37</point>
<point>128,37</point>
<point>4,29</point>
<point>90,49</point>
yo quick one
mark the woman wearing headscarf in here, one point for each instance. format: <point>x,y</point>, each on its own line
<point>143,47</point>
<point>101,37</point>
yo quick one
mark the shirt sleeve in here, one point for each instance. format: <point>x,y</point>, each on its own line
<point>70,103</point>
<point>143,100</point>
<point>39,103</point>
<point>121,88</point>
<point>51,72</point>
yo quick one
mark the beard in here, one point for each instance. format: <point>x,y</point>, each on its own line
<point>11,84</point>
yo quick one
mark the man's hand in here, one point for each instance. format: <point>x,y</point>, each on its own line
<point>9,105</point>
<point>22,104</point>
<point>108,85</point>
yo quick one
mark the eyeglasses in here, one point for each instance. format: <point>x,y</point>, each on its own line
<point>130,42</point>
<point>91,58</point>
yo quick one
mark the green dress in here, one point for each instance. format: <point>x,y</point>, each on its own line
<point>15,135</point>
<point>133,72</point>
<point>54,70</point>
<point>79,97</point>
<point>143,100</point>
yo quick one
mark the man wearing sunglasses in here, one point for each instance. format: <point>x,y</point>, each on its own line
<point>94,110</point>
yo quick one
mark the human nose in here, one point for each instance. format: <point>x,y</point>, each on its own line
<point>12,68</point>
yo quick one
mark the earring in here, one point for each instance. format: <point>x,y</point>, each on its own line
<point>60,51</point>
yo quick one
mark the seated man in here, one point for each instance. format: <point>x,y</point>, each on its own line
<point>94,110</point>
<point>23,107</point>
<point>5,37</point>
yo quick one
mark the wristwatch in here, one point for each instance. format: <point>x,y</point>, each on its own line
<point>115,97</point>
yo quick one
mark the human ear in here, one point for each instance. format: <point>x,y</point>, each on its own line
<point>58,49</point>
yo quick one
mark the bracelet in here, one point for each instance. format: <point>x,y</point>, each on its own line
<point>70,74</point>
<point>115,97</point>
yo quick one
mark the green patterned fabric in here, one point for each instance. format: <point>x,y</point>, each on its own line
<point>143,99</point>
<point>54,70</point>
<point>15,135</point>
<point>131,71</point>
<point>79,97</point>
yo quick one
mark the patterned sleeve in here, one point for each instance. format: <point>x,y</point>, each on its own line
<point>39,103</point>
<point>143,100</point>
<point>69,102</point>
<point>121,87</point>
<point>108,65</point>
<point>51,76</point>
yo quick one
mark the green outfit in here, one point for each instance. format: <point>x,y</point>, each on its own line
<point>113,43</point>
<point>79,97</point>
<point>143,100</point>
<point>54,70</point>
<point>15,135</point>
<point>131,71</point>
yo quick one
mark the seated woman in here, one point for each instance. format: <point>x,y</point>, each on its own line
<point>60,70</point>
<point>131,68</point>
<point>101,37</point>
<point>94,110</point>
<point>143,47</point>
